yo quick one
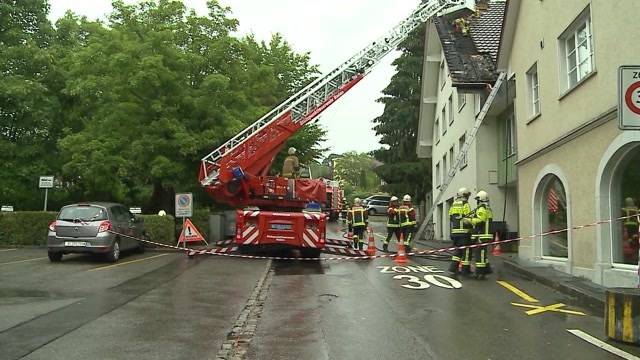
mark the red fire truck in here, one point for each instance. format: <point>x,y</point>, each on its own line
<point>236,173</point>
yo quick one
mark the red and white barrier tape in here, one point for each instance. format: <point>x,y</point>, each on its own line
<point>422,252</point>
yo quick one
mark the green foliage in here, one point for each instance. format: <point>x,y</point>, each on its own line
<point>398,125</point>
<point>159,228</point>
<point>25,228</point>
<point>124,110</point>
<point>356,171</point>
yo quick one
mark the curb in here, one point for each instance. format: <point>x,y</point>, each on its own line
<point>583,298</point>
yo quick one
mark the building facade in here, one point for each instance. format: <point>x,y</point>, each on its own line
<point>458,72</point>
<point>574,165</point>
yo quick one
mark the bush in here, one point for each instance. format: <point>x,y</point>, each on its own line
<point>25,227</point>
<point>30,228</point>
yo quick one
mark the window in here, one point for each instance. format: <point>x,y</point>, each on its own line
<point>452,159</point>
<point>477,102</point>
<point>436,130</point>
<point>534,94</point>
<point>438,175</point>
<point>554,218</point>
<point>510,136</point>
<point>444,167</point>
<point>450,109</point>
<point>576,48</point>
<point>462,100</point>
<point>444,121</point>
<point>625,194</point>
<point>461,142</point>
<point>442,75</point>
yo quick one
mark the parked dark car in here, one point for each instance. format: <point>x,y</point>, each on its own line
<point>90,227</point>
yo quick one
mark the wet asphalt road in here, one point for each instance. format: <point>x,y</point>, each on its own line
<point>165,306</point>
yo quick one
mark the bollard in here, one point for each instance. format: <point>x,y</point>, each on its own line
<point>622,314</point>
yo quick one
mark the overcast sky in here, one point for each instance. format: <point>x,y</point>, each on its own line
<point>331,30</point>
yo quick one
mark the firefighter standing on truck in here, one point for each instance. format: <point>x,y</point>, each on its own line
<point>460,231</point>
<point>393,223</point>
<point>407,215</point>
<point>358,218</point>
<point>481,221</point>
<point>291,164</point>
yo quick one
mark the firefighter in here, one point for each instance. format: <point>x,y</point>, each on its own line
<point>460,231</point>
<point>291,164</point>
<point>481,220</point>
<point>630,247</point>
<point>407,217</point>
<point>358,219</point>
<point>393,223</point>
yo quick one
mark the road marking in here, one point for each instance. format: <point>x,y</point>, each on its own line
<point>21,261</point>
<point>553,307</point>
<point>602,345</point>
<point>3,250</point>
<point>518,292</point>
<point>125,263</point>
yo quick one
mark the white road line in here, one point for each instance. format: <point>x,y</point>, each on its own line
<point>602,345</point>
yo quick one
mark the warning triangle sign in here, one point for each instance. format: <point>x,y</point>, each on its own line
<point>190,233</point>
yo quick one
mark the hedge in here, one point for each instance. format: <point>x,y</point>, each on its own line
<point>29,228</point>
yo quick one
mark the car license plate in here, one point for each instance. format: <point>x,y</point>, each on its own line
<point>75,243</point>
<point>281,226</point>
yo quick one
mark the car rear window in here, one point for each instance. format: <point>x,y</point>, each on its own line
<point>86,213</point>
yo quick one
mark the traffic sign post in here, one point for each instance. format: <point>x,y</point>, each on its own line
<point>184,208</point>
<point>46,183</point>
<point>629,97</point>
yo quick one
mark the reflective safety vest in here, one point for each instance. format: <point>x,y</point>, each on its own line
<point>357,216</point>
<point>407,216</point>
<point>630,211</point>
<point>393,217</point>
<point>458,211</point>
<point>482,223</point>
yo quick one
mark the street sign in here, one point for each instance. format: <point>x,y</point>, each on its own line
<point>184,205</point>
<point>46,182</point>
<point>629,97</point>
<point>6,208</point>
<point>135,210</point>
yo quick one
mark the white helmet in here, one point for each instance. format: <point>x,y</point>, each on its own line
<point>463,192</point>
<point>357,201</point>
<point>406,198</point>
<point>482,196</point>
<point>292,150</point>
<point>394,198</point>
<point>162,213</point>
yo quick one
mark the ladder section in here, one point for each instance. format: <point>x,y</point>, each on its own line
<point>307,104</point>
<point>463,152</point>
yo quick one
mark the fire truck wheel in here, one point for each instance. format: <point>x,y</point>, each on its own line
<point>310,253</point>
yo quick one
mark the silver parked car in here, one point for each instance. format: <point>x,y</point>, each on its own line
<point>89,227</point>
<point>377,207</point>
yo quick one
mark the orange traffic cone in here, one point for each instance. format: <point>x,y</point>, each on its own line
<point>401,257</point>
<point>497,251</point>
<point>371,246</point>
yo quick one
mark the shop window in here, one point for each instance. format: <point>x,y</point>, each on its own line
<point>625,236</point>
<point>554,217</point>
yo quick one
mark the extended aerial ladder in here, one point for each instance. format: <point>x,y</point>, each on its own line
<point>237,172</point>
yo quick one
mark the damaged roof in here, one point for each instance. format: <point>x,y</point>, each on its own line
<point>471,58</point>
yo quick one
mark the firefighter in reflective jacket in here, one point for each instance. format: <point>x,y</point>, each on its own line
<point>407,217</point>
<point>481,221</point>
<point>357,219</point>
<point>460,231</point>
<point>393,223</point>
<point>630,234</point>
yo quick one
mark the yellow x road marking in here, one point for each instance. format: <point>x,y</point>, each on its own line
<point>540,309</point>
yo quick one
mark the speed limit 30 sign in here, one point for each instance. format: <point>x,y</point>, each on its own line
<point>629,97</point>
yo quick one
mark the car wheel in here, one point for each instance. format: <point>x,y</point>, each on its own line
<point>114,252</point>
<point>55,256</point>
<point>372,212</point>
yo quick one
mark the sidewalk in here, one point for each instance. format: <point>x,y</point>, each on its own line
<point>586,293</point>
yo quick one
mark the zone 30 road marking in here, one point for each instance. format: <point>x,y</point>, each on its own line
<point>126,263</point>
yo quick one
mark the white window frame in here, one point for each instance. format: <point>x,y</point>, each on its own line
<point>443,78</point>
<point>444,119</point>
<point>436,128</point>
<point>450,106</point>
<point>461,142</point>
<point>533,85</point>
<point>445,171</point>
<point>569,45</point>
<point>462,100</point>
<point>452,157</point>
<point>438,180</point>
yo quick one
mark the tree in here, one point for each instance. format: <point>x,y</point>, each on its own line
<point>355,170</point>
<point>402,171</point>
